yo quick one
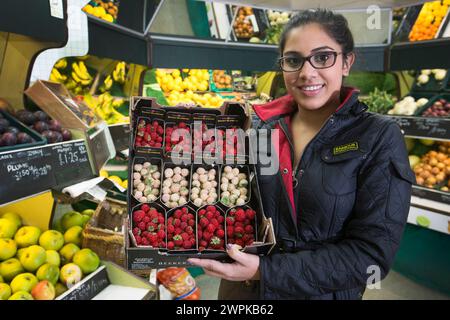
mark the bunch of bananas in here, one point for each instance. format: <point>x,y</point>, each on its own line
<point>107,84</point>
<point>56,76</point>
<point>81,74</point>
<point>106,108</point>
<point>119,72</point>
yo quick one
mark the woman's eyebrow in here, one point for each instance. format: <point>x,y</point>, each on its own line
<point>321,48</point>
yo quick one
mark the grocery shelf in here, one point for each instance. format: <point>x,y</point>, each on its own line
<point>424,127</point>
<point>174,52</point>
<point>109,40</point>
<point>17,16</point>
<point>426,54</point>
<point>428,194</point>
<point>430,214</point>
<point>27,172</point>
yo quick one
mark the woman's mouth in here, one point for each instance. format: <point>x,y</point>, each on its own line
<point>311,90</point>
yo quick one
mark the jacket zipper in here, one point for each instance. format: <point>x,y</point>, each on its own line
<point>296,169</point>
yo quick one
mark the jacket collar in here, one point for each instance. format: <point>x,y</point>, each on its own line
<point>285,105</point>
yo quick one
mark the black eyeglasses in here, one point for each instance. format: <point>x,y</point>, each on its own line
<point>319,60</point>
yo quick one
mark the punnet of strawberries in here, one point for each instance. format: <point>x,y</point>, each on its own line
<point>149,133</point>
<point>211,229</point>
<point>149,227</point>
<point>240,226</point>
<point>178,137</point>
<point>181,230</point>
<point>204,138</point>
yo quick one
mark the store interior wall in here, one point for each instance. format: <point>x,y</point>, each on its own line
<point>16,54</point>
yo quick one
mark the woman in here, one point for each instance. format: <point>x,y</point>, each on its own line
<point>340,199</point>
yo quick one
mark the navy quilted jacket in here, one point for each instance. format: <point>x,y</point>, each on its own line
<point>340,215</point>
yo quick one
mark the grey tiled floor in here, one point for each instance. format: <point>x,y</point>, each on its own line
<point>394,287</point>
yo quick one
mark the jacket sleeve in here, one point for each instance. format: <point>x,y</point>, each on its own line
<point>371,236</point>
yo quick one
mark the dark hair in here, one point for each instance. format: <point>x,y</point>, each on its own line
<point>335,25</point>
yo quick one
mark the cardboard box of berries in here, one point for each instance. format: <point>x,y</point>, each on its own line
<point>191,187</point>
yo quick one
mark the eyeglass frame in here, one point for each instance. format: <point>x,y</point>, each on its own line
<point>308,58</point>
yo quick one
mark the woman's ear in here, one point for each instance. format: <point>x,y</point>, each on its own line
<point>349,59</point>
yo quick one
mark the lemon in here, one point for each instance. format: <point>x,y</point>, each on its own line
<point>115,179</point>
<point>176,73</point>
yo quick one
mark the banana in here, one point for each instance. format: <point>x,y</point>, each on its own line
<point>83,67</point>
<point>61,64</point>
<point>71,84</point>
<point>56,76</point>
<point>79,80</point>
<point>80,73</point>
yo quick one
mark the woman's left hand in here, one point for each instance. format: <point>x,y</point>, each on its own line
<point>245,266</point>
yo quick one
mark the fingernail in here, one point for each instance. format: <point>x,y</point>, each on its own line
<point>229,246</point>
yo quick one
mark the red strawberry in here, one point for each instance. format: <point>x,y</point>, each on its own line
<point>190,216</point>
<point>211,209</point>
<point>216,243</point>
<point>136,231</point>
<point>183,225</point>
<point>238,232</point>
<point>146,219</point>
<point>201,212</point>
<point>189,230</point>
<point>177,214</point>
<point>191,222</point>
<point>161,234</point>
<point>207,236</point>
<point>204,222</point>
<point>185,235</point>
<point>177,240</point>
<point>239,224</point>
<point>203,243</point>
<point>220,234</point>
<point>142,225</point>
<point>184,218</point>
<point>170,245</point>
<point>192,241</point>
<point>209,215</point>
<point>231,241</point>
<point>151,227</point>
<point>145,207</point>
<point>199,234</point>
<point>184,210</point>
<point>144,242</point>
<point>240,215</point>
<point>187,244</point>
<point>239,242</point>
<point>152,237</point>
<point>138,239</point>
<point>170,228</point>
<point>232,212</point>
<point>211,228</point>
<point>250,214</point>
<point>138,215</point>
<point>230,221</point>
<point>201,248</point>
<point>144,234</point>
<point>178,230</point>
<point>176,222</point>
<point>230,231</point>
<point>220,219</point>
<point>248,229</point>
<point>161,219</point>
<point>214,222</point>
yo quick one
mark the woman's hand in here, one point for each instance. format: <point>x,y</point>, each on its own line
<point>245,267</point>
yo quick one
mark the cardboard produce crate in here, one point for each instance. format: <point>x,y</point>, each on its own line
<point>147,188</point>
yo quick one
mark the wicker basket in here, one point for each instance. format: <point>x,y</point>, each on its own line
<point>105,232</point>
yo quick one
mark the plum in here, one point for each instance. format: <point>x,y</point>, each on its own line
<point>41,126</point>
<point>26,117</point>
<point>23,137</point>
<point>4,124</point>
<point>52,136</point>
<point>66,134</point>
<point>41,116</point>
<point>54,125</point>
<point>8,139</point>
<point>13,130</point>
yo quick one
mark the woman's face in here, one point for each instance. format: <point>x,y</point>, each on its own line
<point>314,88</point>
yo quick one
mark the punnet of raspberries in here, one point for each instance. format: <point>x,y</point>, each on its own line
<point>211,231</point>
<point>181,230</point>
<point>149,227</point>
<point>204,139</point>
<point>149,133</point>
<point>241,226</point>
<point>178,140</point>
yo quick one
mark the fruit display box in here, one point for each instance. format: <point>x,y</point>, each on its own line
<point>110,282</point>
<point>437,106</point>
<point>178,208</point>
<point>432,85</point>
<point>30,138</point>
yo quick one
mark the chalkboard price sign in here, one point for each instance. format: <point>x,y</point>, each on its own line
<point>89,287</point>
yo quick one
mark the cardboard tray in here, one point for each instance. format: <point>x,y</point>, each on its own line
<point>431,102</point>
<point>38,139</point>
<point>110,282</point>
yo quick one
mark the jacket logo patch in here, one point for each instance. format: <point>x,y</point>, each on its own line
<point>345,148</point>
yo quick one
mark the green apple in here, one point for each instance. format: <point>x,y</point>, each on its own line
<point>23,282</point>
<point>51,240</point>
<point>7,228</point>
<point>70,219</point>
<point>20,252</point>
<point>13,217</point>
<point>44,290</point>
<point>70,274</point>
<point>10,268</point>
<point>27,236</point>
<point>67,252</point>
<point>87,260</point>
<point>48,272</point>
<point>21,295</point>
<point>86,219</point>
<point>73,235</point>
<point>33,257</point>
<point>53,257</point>
<point>5,291</point>
<point>88,212</point>
<point>8,249</point>
<point>60,289</point>
<point>57,226</point>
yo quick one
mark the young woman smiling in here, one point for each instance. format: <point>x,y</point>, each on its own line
<point>340,199</point>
